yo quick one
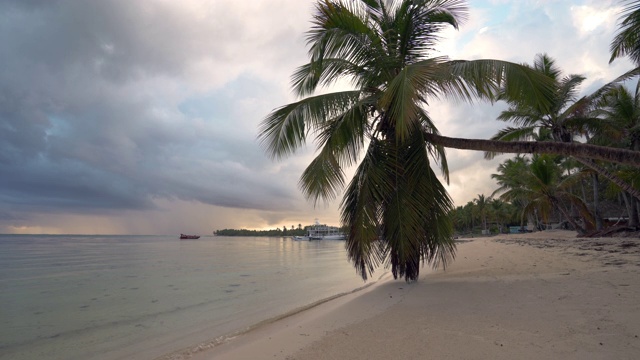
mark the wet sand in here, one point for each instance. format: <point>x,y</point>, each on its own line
<point>545,295</point>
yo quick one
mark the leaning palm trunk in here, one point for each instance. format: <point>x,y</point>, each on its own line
<point>578,150</point>
<point>611,177</point>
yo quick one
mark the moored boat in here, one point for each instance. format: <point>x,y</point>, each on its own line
<point>187,237</point>
<point>319,231</point>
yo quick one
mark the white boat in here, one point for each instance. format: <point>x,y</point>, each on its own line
<point>319,231</point>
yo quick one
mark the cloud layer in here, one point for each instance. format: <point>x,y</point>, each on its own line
<point>141,116</point>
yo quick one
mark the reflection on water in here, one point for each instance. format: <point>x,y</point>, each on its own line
<point>110,297</point>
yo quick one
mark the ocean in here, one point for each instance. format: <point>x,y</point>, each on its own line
<point>124,297</point>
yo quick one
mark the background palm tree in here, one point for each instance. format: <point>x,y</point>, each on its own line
<point>501,212</point>
<point>559,121</point>
<point>482,207</point>
<point>544,189</point>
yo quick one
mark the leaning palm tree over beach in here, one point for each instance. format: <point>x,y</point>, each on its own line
<point>383,48</point>
<point>395,209</point>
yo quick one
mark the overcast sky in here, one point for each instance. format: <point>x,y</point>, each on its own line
<point>141,117</point>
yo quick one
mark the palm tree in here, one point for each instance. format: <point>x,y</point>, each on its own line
<point>382,48</point>
<point>460,220</point>
<point>509,176</point>
<point>502,212</point>
<point>559,120</point>
<point>482,205</point>
<point>509,172</point>
<point>544,190</point>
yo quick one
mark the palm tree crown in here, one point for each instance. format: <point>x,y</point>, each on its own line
<point>557,122</point>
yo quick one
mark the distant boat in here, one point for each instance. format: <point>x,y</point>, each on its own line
<point>319,231</point>
<point>185,237</point>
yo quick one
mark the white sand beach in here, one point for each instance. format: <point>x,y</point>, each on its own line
<point>545,295</point>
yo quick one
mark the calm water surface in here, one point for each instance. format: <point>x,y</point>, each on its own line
<point>122,297</point>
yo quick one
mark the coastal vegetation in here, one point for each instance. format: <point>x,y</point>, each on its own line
<point>293,231</point>
<point>396,211</point>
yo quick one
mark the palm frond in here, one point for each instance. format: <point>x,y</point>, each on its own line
<point>567,91</point>
<point>627,40</point>
<point>323,179</point>
<point>416,223</point>
<point>344,135</point>
<point>521,115</point>
<point>341,31</point>
<point>437,152</point>
<point>515,81</point>
<point>404,95</point>
<point>419,22</point>
<point>284,130</point>
<point>546,65</point>
<point>361,211</point>
<point>307,78</point>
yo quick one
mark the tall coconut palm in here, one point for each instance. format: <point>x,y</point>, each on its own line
<point>384,49</point>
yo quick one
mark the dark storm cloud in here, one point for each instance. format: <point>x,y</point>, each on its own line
<point>95,114</point>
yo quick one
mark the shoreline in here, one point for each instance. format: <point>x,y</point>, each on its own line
<point>244,336</point>
<point>528,296</point>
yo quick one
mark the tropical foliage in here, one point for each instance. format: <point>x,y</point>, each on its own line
<point>271,232</point>
<point>543,189</point>
<point>395,208</point>
<point>484,216</point>
<point>396,211</point>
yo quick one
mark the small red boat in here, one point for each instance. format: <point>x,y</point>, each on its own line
<point>184,237</point>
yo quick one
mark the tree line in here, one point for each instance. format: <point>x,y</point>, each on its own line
<point>293,231</point>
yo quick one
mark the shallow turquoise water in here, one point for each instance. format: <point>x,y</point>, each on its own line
<point>120,297</point>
